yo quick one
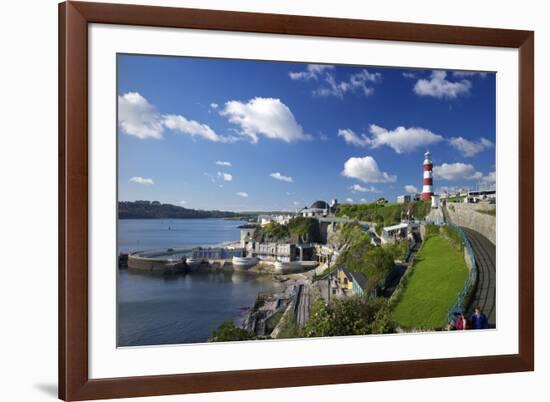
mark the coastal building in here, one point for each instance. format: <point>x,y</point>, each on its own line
<point>324,253</point>
<point>319,209</point>
<point>427,183</point>
<point>247,233</point>
<point>483,194</point>
<point>401,231</point>
<point>282,252</point>
<point>280,219</point>
<point>216,253</point>
<point>352,281</point>
<point>403,199</point>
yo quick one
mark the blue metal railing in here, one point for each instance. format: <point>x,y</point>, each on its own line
<point>465,294</point>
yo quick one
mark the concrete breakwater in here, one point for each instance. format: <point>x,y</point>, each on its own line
<point>174,262</point>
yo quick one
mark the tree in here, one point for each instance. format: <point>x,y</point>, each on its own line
<point>356,315</point>
<point>361,256</point>
<point>320,321</point>
<point>298,230</point>
<point>228,332</point>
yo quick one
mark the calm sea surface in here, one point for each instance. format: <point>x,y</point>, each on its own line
<point>145,234</point>
<point>154,310</point>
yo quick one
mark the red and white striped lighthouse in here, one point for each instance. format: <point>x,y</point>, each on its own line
<point>427,183</point>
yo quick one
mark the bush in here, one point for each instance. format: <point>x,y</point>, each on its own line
<point>350,316</point>
<point>228,332</point>
<point>387,214</point>
<point>361,256</point>
<point>398,250</point>
<point>298,230</point>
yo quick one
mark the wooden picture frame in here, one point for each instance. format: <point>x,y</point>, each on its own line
<point>74,381</point>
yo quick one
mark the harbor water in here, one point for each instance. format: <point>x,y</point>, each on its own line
<point>155,310</point>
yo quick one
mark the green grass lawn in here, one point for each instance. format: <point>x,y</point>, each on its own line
<point>437,278</point>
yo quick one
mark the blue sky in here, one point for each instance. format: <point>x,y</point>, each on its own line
<point>254,135</point>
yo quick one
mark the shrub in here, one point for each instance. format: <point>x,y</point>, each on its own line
<point>228,332</point>
<point>350,316</point>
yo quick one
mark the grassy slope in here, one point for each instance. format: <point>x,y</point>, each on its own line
<point>438,276</point>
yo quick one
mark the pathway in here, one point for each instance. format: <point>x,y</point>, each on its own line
<point>485,293</point>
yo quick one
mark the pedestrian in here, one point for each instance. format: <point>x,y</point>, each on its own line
<point>478,319</point>
<point>462,322</point>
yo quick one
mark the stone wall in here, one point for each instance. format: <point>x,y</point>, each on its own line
<point>468,215</point>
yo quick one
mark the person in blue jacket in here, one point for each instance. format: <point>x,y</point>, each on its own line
<point>478,320</point>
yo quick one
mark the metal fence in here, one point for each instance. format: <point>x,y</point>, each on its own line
<point>466,293</point>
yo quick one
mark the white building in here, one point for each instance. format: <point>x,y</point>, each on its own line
<point>403,199</point>
<point>247,233</point>
<point>400,231</point>
<point>317,209</point>
<point>280,219</point>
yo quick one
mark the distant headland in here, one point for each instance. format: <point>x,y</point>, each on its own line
<point>142,209</point>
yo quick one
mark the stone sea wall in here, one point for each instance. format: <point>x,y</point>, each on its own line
<point>469,216</point>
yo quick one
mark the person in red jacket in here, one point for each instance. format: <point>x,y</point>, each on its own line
<point>461,322</point>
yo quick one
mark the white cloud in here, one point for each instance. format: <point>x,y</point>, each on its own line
<point>366,170</point>
<point>439,87</point>
<point>409,188</point>
<point>278,176</point>
<point>223,163</point>
<point>456,171</point>
<point>193,128</point>
<point>361,189</point>
<point>490,178</point>
<point>242,194</point>
<point>449,189</point>
<point>138,117</point>
<point>400,139</point>
<point>141,180</point>
<point>214,105</point>
<point>363,200</point>
<point>358,82</point>
<point>354,139</point>
<point>141,119</point>
<point>349,200</point>
<point>313,72</point>
<point>264,116</point>
<point>183,202</point>
<point>225,176</point>
<point>470,148</point>
<point>488,181</point>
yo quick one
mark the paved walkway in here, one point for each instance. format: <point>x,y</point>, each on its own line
<point>485,294</point>
<point>302,309</point>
